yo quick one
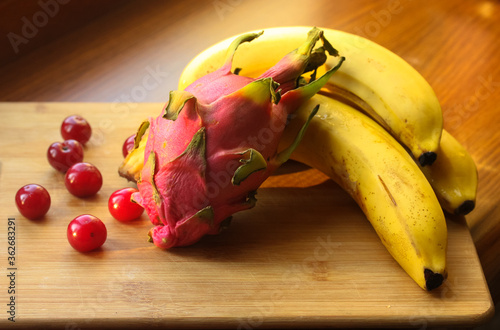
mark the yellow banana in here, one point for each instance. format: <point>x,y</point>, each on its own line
<point>133,163</point>
<point>396,95</point>
<point>453,176</point>
<point>368,163</point>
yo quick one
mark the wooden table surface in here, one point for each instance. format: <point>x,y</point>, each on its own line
<point>134,51</point>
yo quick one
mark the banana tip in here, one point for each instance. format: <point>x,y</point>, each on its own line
<point>427,158</point>
<point>432,280</point>
<point>465,208</point>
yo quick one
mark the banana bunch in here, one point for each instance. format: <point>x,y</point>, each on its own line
<point>378,134</point>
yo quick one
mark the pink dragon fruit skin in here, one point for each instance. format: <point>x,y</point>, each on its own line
<point>216,142</point>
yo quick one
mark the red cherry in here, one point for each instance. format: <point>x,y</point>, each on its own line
<point>121,206</point>
<point>128,145</point>
<point>77,128</point>
<point>33,201</point>
<point>86,233</point>
<point>83,180</point>
<point>62,155</point>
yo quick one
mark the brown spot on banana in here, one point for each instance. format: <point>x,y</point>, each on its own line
<point>387,191</point>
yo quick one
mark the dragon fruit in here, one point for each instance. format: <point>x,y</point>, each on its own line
<point>215,142</point>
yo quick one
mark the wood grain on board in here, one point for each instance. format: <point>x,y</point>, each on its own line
<point>305,256</point>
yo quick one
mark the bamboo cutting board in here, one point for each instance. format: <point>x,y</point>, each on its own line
<point>305,256</point>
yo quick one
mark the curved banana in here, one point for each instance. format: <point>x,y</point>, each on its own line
<point>368,163</point>
<point>453,176</point>
<point>396,95</point>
